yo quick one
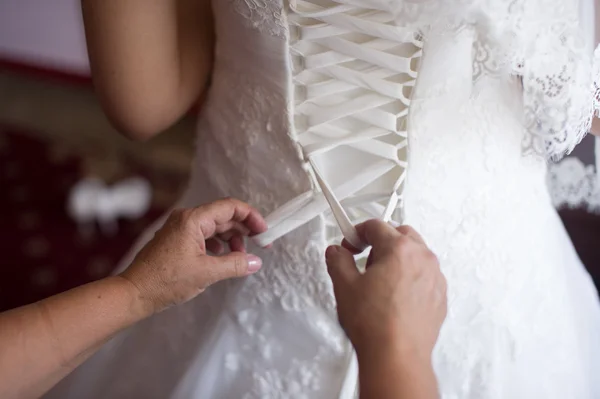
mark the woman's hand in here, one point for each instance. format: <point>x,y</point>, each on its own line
<point>393,312</point>
<point>400,299</point>
<point>43,342</point>
<point>175,267</point>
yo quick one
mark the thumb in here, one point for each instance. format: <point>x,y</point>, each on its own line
<point>341,266</point>
<point>234,264</point>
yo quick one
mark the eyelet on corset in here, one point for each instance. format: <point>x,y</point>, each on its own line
<point>295,33</point>
<point>298,63</point>
<point>300,94</point>
<point>300,124</point>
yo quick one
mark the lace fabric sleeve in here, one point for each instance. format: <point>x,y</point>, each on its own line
<point>574,181</point>
<point>539,40</point>
<point>561,77</point>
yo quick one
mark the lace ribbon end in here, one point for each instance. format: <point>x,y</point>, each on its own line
<point>261,241</point>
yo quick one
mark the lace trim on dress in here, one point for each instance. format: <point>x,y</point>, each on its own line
<point>573,184</point>
<point>351,93</point>
<point>266,16</point>
<point>348,91</point>
<point>539,40</point>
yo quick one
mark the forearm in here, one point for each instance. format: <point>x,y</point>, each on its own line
<point>395,374</point>
<point>43,342</point>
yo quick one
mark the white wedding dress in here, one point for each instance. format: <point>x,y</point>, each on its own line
<point>323,113</point>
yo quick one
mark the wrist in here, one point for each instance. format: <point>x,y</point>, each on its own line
<point>393,369</point>
<point>395,349</point>
<point>390,338</point>
<point>140,306</point>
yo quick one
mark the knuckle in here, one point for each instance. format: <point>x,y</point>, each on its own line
<point>175,218</point>
<point>186,221</point>
<point>374,223</point>
<point>432,258</point>
<point>373,226</point>
<point>370,222</point>
<point>402,245</point>
<point>176,214</point>
<point>228,201</point>
<point>239,266</point>
<point>407,230</point>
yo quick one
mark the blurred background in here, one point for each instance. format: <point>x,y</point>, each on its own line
<point>53,135</point>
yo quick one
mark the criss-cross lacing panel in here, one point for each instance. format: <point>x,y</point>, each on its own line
<point>353,71</point>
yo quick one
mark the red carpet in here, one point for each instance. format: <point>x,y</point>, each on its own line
<point>42,251</point>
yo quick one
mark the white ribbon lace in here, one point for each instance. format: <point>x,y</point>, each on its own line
<point>352,75</point>
<point>353,72</point>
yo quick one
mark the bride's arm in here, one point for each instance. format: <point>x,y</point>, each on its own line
<point>595,130</point>
<point>150,60</point>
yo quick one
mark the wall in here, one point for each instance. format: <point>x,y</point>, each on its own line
<point>43,33</point>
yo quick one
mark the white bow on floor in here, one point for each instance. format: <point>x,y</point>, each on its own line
<point>91,200</point>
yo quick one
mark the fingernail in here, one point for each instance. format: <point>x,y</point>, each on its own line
<point>254,263</point>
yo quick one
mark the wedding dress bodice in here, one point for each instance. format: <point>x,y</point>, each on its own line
<point>329,107</point>
<point>353,65</point>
